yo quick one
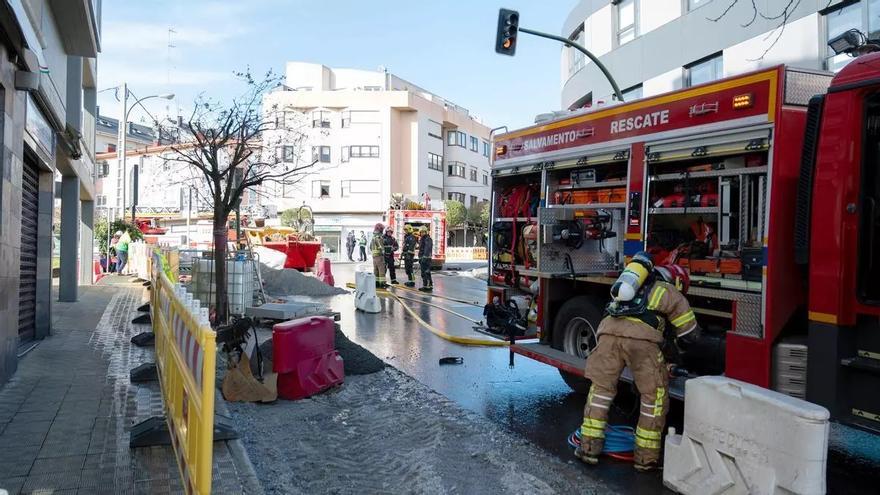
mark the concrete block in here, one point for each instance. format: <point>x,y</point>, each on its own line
<point>742,439</point>
<point>365,298</point>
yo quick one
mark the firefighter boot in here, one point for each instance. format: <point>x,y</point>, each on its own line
<point>651,377</point>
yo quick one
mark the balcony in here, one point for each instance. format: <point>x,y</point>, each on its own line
<point>78,22</point>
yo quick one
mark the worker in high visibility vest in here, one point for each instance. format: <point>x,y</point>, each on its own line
<point>630,336</point>
<point>409,255</point>
<point>377,249</point>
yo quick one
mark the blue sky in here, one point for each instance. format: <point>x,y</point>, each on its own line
<point>446,47</point>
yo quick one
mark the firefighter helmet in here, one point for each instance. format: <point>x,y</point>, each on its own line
<point>389,230</point>
<point>378,227</point>
<point>423,229</point>
<point>408,228</point>
<point>675,275</point>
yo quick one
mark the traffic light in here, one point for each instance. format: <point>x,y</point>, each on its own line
<point>508,25</point>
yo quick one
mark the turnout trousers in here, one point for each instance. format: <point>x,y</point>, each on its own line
<point>425,267</point>
<point>379,270</point>
<point>648,367</point>
<point>408,267</point>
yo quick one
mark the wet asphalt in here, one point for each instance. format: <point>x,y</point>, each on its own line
<point>530,398</point>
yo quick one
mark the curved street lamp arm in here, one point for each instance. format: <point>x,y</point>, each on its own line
<point>583,50</point>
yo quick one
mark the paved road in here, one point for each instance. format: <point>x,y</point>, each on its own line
<point>530,398</point>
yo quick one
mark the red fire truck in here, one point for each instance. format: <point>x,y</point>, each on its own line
<point>435,220</point>
<point>765,186</point>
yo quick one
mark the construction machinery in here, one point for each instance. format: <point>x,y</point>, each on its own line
<point>764,186</point>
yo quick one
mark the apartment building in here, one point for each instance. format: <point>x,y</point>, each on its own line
<point>656,46</point>
<point>372,134</point>
<point>48,76</point>
<point>107,135</point>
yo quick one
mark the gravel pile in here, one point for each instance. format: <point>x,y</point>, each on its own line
<point>287,282</point>
<point>358,361</point>
<point>387,433</point>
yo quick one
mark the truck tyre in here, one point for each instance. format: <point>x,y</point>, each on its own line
<point>574,332</point>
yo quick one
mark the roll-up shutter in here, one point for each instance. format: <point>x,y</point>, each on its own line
<point>27,289</point>
<point>710,146</point>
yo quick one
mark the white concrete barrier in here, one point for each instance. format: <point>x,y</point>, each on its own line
<point>365,298</point>
<point>742,439</point>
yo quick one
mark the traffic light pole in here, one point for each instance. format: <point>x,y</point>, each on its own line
<point>583,50</point>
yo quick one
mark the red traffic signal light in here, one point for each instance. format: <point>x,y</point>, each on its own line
<point>508,26</point>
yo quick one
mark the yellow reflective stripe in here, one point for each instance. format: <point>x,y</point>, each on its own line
<point>592,432</point>
<point>647,434</point>
<point>594,423</point>
<point>683,318</point>
<point>656,296</point>
<point>658,402</point>
<point>647,444</point>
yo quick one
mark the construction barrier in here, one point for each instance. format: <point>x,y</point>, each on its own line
<point>185,360</point>
<point>139,256</point>
<point>466,253</point>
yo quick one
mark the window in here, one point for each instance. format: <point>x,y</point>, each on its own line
<point>100,200</point>
<point>485,179</point>
<point>454,196</point>
<point>320,118</point>
<point>280,120</point>
<point>693,4</point>
<point>576,57</point>
<point>285,153</point>
<point>632,93</point>
<point>352,187</point>
<point>703,71</point>
<point>103,169</point>
<point>473,175</point>
<point>626,21</point>
<point>456,169</point>
<point>474,201</point>
<point>435,161</point>
<point>321,153</point>
<point>456,138</point>
<point>435,130</point>
<point>486,148</point>
<point>841,20</point>
<point>346,119</point>
<point>475,144</point>
<point>320,188</point>
<point>360,152</point>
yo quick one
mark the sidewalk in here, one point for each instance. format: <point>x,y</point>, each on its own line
<point>65,416</point>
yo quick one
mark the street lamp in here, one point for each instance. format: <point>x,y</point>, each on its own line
<point>123,133</point>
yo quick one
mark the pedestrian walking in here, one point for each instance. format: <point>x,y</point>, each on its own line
<point>362,244</point>
<point>630,336</point>
<point>409,254</point>
<point>350,241</point>
<point>377,249</point>
<point>122,250</point>
<point>391,247</point>
<point>426,250</point>
<point>112,259</point>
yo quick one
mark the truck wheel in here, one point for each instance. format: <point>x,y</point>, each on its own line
<point>574,332</point>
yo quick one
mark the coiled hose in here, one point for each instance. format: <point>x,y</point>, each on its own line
<point>619,441</point>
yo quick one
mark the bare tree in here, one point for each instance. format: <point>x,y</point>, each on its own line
<point>779,18</point>
<point>236,146</point>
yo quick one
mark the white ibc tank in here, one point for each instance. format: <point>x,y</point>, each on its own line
<point>742,439</point>
<point>365,298</point>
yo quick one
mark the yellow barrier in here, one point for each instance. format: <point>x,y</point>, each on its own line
<point>185,359</point>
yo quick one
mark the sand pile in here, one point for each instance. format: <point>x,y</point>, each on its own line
<point>287,282</point>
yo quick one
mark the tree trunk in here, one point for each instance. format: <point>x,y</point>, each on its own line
<point>221,301</point>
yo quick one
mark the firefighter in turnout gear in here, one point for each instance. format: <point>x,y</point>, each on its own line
<point>631,333</point>
<point>426,249</point>
<point>391,246</point>
<point>377,249</point>
<point>409,254</point>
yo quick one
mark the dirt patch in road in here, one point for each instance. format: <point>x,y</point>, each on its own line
<point>387,433</point>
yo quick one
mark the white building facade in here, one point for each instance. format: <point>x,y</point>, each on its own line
<point>373,134</point>
<point>655,46</point>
